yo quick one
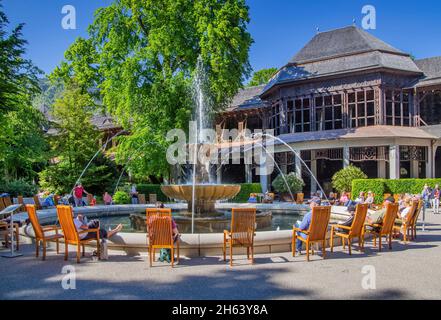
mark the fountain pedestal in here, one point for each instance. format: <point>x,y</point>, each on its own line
<point>206,195</point>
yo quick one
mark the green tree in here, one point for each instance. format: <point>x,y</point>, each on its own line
<point>262,77</point>
<point>22,143</point>
<point>140,57</point>
<point>73,144</point>
<point>287,183</point>
<point>342,180</point>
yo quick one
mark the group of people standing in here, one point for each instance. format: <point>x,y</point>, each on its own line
<point>431,197</point>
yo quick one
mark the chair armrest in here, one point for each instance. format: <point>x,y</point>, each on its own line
<point>300,230</point>
<point>48,228</point>
<point>226,232</point>
<point>89,230</point>
<point>340,226</point>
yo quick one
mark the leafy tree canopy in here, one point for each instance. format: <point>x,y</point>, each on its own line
<point>22,144</point>
<point>140,57</point>
<point>262,77</point>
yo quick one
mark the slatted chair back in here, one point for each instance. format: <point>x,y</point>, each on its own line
<point>359,220</point>
<point>141,198</point>
<point>32,213</point>
<point>65,217</point>
<point>412,212</point>
<point>89,198</point>
<point>397,197</point>
<point>20,200</point>
<point>243,224</point>
<point>7,201</point>
<point>389,218</point>
<point>319,223</point>
<point>300,198</point>
<point>159,227</point>
<point>153,198</point>
<point>37,202</point>
<point>2,204</point>
<point>417,212</point>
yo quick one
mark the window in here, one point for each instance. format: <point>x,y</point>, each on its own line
<point>299,115</point>
<point>275,119</point>
<point>328,112</point>
<point>398,111</point>
<point>361,106</point>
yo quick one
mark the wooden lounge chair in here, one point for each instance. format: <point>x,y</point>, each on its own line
<point>385,229</point>
<point>2,204</point>
<point>406,225</point>
<point>243,224</point>
<point>413,223</point>
<point>141,198</point>
<point>153,198</point>
<point>160,233</point>
<point>356,230</point>
<point>316,232</point>
<point>40,232</point>
<point>20,200</point>
<point>37,203</point>
<point>5,230</point>
<point>7,201</point>
<point>71,235</point>
<point>300,198</point>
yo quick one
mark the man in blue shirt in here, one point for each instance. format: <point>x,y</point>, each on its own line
<point>306,222</point>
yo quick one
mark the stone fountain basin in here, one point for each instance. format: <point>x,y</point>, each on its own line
<point>207,192</point>
<point>192,245</point>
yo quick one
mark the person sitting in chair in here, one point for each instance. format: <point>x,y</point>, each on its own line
<point>377,216</point>
<point>81,224</point>
<point>348,222</point>
<point>305,223</point>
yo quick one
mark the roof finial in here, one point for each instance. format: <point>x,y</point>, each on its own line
<point>318,30</point>
<point>354,22</point>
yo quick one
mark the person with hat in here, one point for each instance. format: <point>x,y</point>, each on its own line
<point>306,222</point>
<point>377,216</point>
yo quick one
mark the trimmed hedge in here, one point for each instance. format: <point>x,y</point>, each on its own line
<point>382,186</point>
<point>245,190</point>
<point>150,189</point>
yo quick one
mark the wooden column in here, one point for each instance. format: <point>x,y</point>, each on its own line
<point>394,161</point>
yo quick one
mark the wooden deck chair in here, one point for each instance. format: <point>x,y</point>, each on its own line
<point>141,198</point>
<point>316,232</point>
<point>71,235</point>
<point>405,225</point>
<point>160,233</point>
<point>40,232</point>
<point>153,198</point>
<point>20,200</point>
<point>356,230</point>
<point>7,201</point>
<point>89,198</point>
<point>243,225</point>
<point>397,197</point>
<point>37,203</point>
<point>413,223</point>
<point>5,230</point>
<point>385,229</point>
<point>2,204</point>
<point>300,198</point>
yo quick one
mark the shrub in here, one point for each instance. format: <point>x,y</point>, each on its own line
<point>381,186</point>
<point>121,197</point>
<point>245,190</point>
<point>377,186</point>
<point>18,187</point>
<point>295,184</point>
<point>342,180</point>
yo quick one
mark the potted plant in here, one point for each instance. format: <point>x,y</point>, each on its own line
<point>280,185</point>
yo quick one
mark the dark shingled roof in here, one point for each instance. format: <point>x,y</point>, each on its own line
<point>344,41</point>
<point>432,72</point>
<point>339,52</point>
<point>247,98</point>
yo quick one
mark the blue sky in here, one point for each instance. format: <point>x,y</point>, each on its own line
<point>279,27</point>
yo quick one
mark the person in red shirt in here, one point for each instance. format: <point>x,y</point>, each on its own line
<point>78,194</point>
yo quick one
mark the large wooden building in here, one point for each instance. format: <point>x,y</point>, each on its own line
<point>346,98</point>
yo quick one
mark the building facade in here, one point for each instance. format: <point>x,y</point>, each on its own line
<point>345,98</point>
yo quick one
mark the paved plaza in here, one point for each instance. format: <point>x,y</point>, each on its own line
<point>407,272</point>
